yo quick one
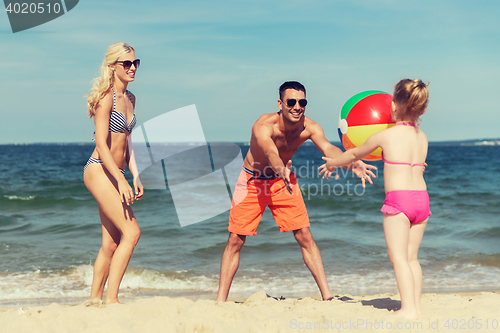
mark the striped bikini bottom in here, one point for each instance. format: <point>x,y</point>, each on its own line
<point>96,160</point>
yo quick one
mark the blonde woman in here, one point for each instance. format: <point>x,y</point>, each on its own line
<point>112,107</point>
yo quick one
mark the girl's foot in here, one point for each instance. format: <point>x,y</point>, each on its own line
<point>405,314</point>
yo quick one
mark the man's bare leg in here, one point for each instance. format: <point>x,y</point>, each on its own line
<point>312,259</point>
<point>229,264</point>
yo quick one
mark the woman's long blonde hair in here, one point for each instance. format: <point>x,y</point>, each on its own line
<point>102,84</point>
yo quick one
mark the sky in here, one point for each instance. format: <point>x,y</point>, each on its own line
<point>229,57</point>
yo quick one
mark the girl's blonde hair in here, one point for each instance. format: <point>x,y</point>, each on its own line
<point>103,83</point>
<point>411,98</point>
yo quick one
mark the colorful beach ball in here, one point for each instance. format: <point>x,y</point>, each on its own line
<point>362,115</point>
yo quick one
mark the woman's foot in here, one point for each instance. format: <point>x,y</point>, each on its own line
<point>94,302</point>
<point>115,301</point>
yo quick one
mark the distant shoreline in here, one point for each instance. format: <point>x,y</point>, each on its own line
<point>470,142</point>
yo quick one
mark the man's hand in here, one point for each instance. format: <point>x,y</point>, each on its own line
<point>363,171</point>
<point>286,177</point>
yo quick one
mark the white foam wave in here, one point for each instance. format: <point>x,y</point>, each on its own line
<point>15,197</point>
<point>76,282</point>
<point>470,275</point>
<point>71,283</point>
<point>150,279</point>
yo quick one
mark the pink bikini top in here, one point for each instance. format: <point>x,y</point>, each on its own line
<point>400,163</point>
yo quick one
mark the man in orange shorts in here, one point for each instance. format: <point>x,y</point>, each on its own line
<point>266,180</point>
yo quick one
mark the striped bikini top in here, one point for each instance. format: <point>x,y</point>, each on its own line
<point>402,163</point>
<point>117,120</point>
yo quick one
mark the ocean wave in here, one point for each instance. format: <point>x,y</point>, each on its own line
<point>485,233</point>
<point>62,199</point>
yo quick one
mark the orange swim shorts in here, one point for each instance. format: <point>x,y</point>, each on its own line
<point>254,193</point>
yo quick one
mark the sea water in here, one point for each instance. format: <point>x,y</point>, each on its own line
<point>50,232</point>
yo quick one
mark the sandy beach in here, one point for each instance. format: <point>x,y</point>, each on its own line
<point>452,312</point>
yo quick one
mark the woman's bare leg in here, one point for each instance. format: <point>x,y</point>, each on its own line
<point>117,220</point>
<point>110,241</point>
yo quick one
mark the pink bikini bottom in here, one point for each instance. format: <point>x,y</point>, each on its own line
<point>414,204</point>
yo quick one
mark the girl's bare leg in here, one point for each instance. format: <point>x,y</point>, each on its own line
<point>416,234</point>
<point>396,231</point>
<point>117,221</point>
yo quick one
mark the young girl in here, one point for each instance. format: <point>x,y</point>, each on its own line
<point>112,107</point>
<point>406,207</point>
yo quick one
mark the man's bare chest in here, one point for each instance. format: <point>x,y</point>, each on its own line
<point>287,145</point>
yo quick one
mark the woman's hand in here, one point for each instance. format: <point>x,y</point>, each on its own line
<point>139,188</point>
<point>125,191</point>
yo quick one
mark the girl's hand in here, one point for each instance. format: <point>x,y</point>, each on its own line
<point>363,171</point>
<point>139,189</point>
<point>328,168</point>
<point>125,191</point>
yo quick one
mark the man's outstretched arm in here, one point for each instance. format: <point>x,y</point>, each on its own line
<point>359,168</point>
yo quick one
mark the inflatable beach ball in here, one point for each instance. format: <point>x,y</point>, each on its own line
<point>362,115</point>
